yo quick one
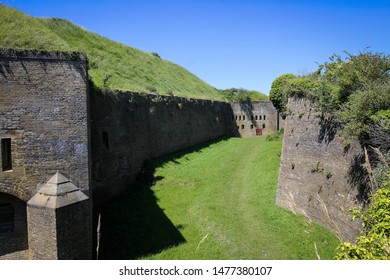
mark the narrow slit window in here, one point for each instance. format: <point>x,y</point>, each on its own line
<point>106,143</point>
<point>264,117</point>
<point>242,126</point>
<point>243,118</point>
<point>263,125</point>
<point>257,118</point>
<point>252,117</point>
<point>239,118</point>
<point>7,218</point>
<point>251,126</point>
<point>6,156</point>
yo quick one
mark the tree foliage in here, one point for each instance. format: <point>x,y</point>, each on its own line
<point>279,92</point>
<point>242,95</point>
<point>373,244</point>
<point>353,88</point>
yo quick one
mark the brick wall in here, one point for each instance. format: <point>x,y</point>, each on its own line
<point>44,111</point>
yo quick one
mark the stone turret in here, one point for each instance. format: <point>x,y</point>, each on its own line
<point>59,217</point>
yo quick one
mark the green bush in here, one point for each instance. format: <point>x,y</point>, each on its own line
<point>279,92</point>
<point>373,244</point>
<point>275,136</point>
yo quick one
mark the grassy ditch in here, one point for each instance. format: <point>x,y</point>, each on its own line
<point>212,202</point>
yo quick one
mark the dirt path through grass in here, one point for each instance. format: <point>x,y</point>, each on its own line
<point>220,201</point>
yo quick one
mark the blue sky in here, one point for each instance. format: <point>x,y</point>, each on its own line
<point>232,43</point>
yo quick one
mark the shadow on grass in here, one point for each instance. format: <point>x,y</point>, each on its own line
<point>133,225</point>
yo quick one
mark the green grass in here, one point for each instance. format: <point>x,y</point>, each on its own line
<point>127,68</point>
<point>212,202</point>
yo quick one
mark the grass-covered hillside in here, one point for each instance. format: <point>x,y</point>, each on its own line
<point>111,64</point>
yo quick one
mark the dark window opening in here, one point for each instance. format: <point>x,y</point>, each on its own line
<point>7,218</point>
<point>243,118</point>
<point>257,118</point>
<point>106,143</point>
<point>263,125</point>
<point>251,126</point>
<point>242,126</point>
<point>252,118</point>
<point>264,117</point>
<point>6,154</point>
<point>236,117</point>
<point>239,118</point>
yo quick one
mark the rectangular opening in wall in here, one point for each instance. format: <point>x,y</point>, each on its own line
<point>263,125</point>
<point>243,118</point>
<point>251,126</point>
<point>257,118</point>
<point>242,126</point>
<point>264,117</point>
<point>105,139</point>
<point>7,218</point>
<point>239,118</point>
<point>6,157</point>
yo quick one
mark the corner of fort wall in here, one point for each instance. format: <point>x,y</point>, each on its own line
<point>316,170</point>
<point>44,125</point>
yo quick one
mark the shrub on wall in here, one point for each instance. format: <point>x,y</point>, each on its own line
<point>355,90</point>
<point>373,244</point>
<point>275,136</point>
<point>279,93</point>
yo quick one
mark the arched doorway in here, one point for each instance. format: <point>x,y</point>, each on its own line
<point>13,227</point>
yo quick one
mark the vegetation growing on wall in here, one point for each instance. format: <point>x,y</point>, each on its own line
<point>373,244</point>
<point>278,94</point>
<point>355,90</point>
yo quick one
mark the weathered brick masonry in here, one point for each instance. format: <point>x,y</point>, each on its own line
<point>316,170</point>
<point>44,117</point>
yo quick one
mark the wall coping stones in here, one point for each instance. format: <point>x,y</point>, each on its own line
<point>14,54</point>
<point>56,193</point>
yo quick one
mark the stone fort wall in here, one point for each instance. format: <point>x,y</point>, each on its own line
<point>43,129</point>
<point>129,128</point>
<point>254,119</point>
<point>99,140</point>
<point>316,171</point>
